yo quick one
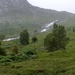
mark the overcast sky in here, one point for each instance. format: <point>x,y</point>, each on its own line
<point>59,5</point>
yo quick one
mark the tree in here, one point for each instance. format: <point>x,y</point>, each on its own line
<point>24,37</point>
<point>60,33</point>
<point>50,42</point>
<point>57,39</point>
<point>34,39</point>
<point>15,49</point>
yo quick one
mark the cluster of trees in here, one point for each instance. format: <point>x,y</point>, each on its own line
<point>24,38</point>
<point>57,39</point>
<point>54,41</point>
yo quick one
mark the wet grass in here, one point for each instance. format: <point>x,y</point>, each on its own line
<point>61,62</point>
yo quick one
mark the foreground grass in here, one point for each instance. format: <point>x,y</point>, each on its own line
<point>60,62</point>
<point>56,63</point>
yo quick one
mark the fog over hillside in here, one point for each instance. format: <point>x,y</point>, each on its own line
<point>16,15</point>
<point>22,7</point>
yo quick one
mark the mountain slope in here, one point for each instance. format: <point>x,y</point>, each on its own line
<point>16,15</point>
<point>22,7</point>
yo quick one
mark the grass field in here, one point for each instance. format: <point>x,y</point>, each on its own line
<point>61,62</point>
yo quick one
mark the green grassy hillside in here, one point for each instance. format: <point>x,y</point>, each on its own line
<point>25,16</point>
<point>70,22</point>
<point>60,62</point>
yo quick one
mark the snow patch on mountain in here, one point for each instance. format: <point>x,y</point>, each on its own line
<point>43,30</point>
<point>48,26</point>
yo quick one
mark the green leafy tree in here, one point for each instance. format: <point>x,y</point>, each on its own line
<point>57,39</point>
<point>24,37</point>
<point>34,39</point>
<point>50,42</point>
<point>60,33</point>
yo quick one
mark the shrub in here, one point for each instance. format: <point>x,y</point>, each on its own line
<point>2,51</point>
<point>30,52</point>
<point>34,39</point>
<point>15,49</point>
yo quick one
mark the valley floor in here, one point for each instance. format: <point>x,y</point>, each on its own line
<point>60,62</point>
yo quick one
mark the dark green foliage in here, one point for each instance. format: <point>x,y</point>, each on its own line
<point>2,50</point>
<point>13,58</point>
<point>60,34</point>
<point>57,39</point>
<point>50,42</point>
<point>34,39</point>
<point>2,37</point>
<point>30,52</point>
<point>8,46</point>
<point>24,37</point>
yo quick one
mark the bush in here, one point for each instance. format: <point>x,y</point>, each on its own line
<point>15,49</point>
<point>9,46</point>
<point>5,61</point>
<point>18,57</point>
<point>34,39</point>
<point>30,52</point>
<point>2,51</point>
